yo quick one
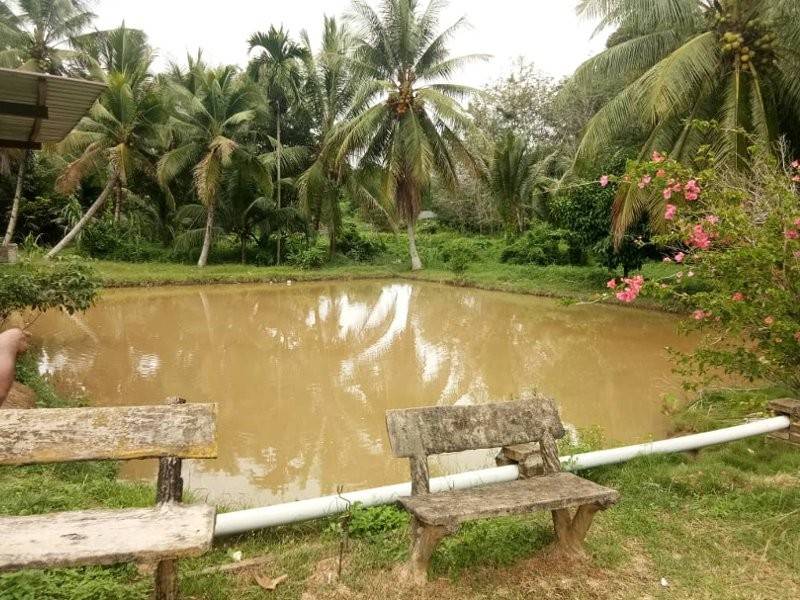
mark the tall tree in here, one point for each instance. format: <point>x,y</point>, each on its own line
<point>119,136</point>
<point>517,178</point>
<point>38,36</point>
<point>277,68</point>
<point>732,61</point>
<point>115,51</point>
<point>207,124</point>
<point>407,117</point>
<point>329,90</point>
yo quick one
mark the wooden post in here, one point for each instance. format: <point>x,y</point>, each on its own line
<point>169,490</point>
<point>787,407</point>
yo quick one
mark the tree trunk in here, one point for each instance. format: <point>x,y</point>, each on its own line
<point>331,241</point>
<point>243,242</point>
<point>12,222</point>
<point>280,152</point>
<point>416,263</point>
<point>117,201</point>
<point>203,261</point>
<point>98,204</point>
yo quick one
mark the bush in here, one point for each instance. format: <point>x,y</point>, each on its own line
<point>356,246</point>
<point>111,241</point>
<point>65,284</point>
<point>311,257</point>
<point>463,249</point>
<point>459,264</point>
<point>543,245</point>
<point>585,211</point>
<point>738,233</point>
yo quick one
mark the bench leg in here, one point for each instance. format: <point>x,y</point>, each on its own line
<point>169,488</point>
<point>571,531</point>
<point>424,539</point>
<point>166,580</point>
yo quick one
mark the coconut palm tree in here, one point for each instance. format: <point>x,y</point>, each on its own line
<point>278,68</point>
<point>39,37</point>
<point>245,209</point>
<point>207,125</point>
<point>407,117</point>
<point>735,62</point>
<point>115,51</point>
<point>119,136</point>
<point>330,86</point>
<point>517,178</point>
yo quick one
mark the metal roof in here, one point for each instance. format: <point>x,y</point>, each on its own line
<point>37,108</point>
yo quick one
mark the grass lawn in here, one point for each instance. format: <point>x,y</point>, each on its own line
<point>722,524</point>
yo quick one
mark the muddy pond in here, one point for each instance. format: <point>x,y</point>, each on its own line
<point>303,374</point>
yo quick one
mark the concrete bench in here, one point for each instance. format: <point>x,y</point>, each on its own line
<point>159,534</point>
<point>527,432</point>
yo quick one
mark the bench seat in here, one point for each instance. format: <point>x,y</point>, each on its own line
<point>104,537</point>
<point>550,492</point>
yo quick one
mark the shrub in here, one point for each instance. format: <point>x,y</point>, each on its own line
<point>111,241</point>
<point>739,233</point>
<point>542,245</point>
<point>65,284</point>
<point>585,211</point>
<point>462,249</point>
<point>459,264</point>
<point>311,257</point>
<point>356,246</point>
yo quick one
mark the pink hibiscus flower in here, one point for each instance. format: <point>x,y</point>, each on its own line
<point>692,190</point>
<point>670,213</point>
<point>700,238</point>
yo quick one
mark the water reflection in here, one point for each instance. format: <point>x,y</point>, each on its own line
<point>303,375</point>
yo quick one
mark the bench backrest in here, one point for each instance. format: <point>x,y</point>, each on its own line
<point>76,434</point>
<point>417,433</point>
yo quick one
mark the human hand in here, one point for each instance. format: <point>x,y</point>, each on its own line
<point>15,340</point>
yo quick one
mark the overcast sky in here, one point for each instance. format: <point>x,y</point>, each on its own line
<point>546,32</point>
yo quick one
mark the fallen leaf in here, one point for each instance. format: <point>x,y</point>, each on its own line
<point>269,584</point>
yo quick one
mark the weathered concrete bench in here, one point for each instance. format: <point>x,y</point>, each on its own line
<point>420,432</point>
<point>160,534</point>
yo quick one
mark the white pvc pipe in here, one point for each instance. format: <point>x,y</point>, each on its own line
<point>316,508</point>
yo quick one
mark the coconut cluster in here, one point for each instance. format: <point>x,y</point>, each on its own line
<point>750,43</point>
<point>401,101</point>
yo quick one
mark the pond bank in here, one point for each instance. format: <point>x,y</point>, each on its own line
<point>559,282</point>
<point>677,516</point>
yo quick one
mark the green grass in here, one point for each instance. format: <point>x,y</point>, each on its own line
<point>722,524</point>
<point>569,282</point>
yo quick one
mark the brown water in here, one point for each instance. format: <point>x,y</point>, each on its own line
<point>303,374</point>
